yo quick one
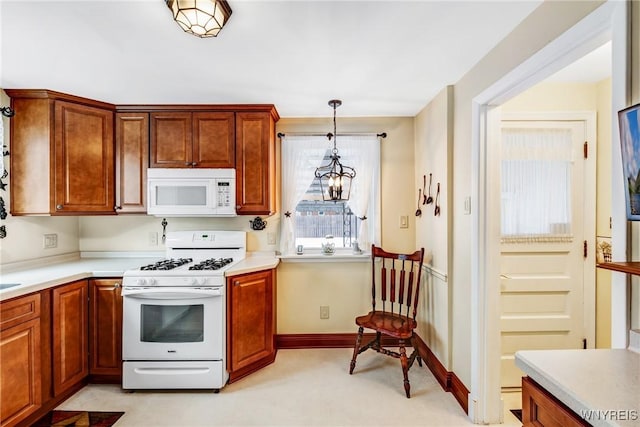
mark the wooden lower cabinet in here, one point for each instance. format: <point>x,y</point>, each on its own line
<point>70,335</point>
<point>105,330</point>
<point>251,322</point>
<point>541,408</point>
<point>20,356</point>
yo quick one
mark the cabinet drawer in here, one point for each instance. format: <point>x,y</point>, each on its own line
<point>540,408</point>
<point>19,310</point>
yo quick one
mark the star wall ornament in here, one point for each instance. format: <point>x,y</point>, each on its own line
<point>3,186</point>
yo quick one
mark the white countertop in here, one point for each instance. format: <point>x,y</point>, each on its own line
<point>37,277</point>
<point>604,381</point>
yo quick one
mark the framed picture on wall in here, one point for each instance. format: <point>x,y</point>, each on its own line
<point>629,121</point>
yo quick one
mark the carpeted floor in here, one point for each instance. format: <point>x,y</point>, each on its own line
<point>78,418</point>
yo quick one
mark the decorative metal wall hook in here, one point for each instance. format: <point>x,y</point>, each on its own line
<point>164,224</point>
<point>8,111</point>
<point>258,224</point>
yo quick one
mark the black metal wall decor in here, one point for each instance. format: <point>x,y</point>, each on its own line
<point>258,224</point>
<point>6,112</point>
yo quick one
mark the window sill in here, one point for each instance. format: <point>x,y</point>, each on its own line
<point>318,257</point>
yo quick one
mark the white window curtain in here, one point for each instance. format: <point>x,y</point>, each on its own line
<point>301,155</point>
<point>362,152</point>
<point>536,185</point>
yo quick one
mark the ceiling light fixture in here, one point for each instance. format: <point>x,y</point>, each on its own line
<point>335,178</point>
<point>202,18</point>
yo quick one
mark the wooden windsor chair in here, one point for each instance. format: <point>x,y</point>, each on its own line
<point>398,290</point>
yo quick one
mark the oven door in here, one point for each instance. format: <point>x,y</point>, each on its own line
<point>173,324</point>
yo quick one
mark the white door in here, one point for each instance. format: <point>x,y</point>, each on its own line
<point>547,213</point>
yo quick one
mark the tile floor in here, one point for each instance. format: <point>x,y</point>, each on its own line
<point>302,388</point>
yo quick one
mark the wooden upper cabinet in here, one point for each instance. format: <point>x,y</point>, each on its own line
<point>192,139</point>
<point>132,160</point>
<point>255,163</point>
<point>84,158</point>
<point>214,140</point>
<point>171,140</point>
<point>62,154</point>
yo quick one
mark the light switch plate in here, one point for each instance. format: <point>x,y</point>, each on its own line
<point>404,221</point>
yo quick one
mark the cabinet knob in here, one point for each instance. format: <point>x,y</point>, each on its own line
<point>117,208</point>
<point>236,283</point>
<point>187,163</point>
<point>194,164</point>
<point>116,286</point>
<point>58,207</point>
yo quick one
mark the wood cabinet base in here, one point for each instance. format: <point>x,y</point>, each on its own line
<point>249,369</point>
<point>541,408</point>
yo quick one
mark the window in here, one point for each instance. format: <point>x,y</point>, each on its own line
<point>307,219</point>
<point>536,184</point>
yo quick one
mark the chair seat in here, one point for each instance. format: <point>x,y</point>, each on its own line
<point>388,323</point>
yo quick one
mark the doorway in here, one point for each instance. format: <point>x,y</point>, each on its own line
<point>608,22</point>
<point>547,280</point>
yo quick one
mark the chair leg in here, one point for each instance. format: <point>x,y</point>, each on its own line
<point>356,350</point>
<point>405,368</point>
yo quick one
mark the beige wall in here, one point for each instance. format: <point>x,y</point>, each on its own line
<point>345,287</point>
<point>433,149</point>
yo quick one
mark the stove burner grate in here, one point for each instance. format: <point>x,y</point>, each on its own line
<point>211,264</point>
<point>167,264</point>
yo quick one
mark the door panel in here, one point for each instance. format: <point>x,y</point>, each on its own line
<point>542,283</point>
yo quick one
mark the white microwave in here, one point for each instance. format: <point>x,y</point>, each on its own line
<point>191,192</point>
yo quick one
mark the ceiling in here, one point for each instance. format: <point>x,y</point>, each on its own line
<point>381,58</point>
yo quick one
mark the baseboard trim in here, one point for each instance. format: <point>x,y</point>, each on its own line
<point>297,341</point>
<point>449,381</point>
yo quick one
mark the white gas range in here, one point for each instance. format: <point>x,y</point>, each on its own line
<point>174,318</point>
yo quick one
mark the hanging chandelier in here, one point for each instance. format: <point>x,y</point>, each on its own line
<point>202,18</point>
<point>334,177</point>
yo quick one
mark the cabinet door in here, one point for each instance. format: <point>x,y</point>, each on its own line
<point>20,359</point>
<point>70,335</point>
<point>214,140</point>
<point>255,164</point>
<point>84,159</point>
<point>171,140</point>
<point>132,160</point>
<point>252,325</point>
<point>105,313</point>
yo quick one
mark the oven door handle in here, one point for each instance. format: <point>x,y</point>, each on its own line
<point>173,293</point>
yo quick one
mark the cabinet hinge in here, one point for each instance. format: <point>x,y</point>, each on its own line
<point>585,149</point>
<point>584,343</point>
<point>584,249</point>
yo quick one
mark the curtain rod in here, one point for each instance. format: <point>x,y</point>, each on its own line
<point>330,135</point>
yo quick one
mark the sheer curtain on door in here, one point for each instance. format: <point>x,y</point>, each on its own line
<point>536,185</point>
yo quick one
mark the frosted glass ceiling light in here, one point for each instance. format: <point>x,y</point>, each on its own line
<point>202,18</point>
<point>334,177</point>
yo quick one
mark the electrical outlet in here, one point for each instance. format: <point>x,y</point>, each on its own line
<point>271,238</point>
<point>153,238</point>
<point>324,311</point>
<point>50,241</point>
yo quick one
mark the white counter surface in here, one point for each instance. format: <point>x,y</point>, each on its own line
<point>38,277</point>
<point>602,385</point>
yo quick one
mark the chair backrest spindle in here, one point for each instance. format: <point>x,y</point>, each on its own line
<point>399,283</point>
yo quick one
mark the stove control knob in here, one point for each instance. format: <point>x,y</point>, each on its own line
<point>140,282</point>
<point>201,280</point>
<point>192,281</point>
<point>151,281</point>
